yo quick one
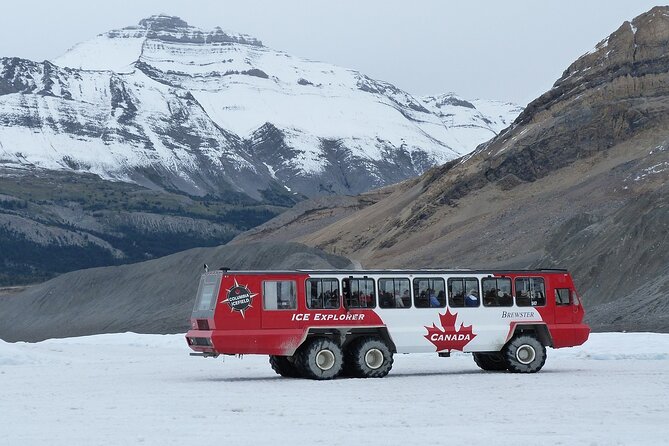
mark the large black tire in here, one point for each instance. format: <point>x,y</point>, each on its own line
<point>321,358</point>
<point>492,362</point>
<point>283,366</point>
<point>525,354</point>
<point>368,357</point>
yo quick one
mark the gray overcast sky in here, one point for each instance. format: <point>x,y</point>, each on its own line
<point>508,50</point>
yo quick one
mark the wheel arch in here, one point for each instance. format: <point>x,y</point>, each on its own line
<point>345,336</point>
<point>539,331</point>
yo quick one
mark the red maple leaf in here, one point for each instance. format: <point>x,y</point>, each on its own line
<point>449,338</point>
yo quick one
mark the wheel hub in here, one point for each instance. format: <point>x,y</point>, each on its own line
<point>525,354</point>
<point>374,358</point>
<point>325,360</point>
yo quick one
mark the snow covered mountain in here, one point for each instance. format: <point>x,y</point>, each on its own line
<point>168,106</point>
<point>472,122</point>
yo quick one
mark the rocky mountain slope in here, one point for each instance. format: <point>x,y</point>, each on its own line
<point>155,296</point>
<point>580,180</point>
<point>167,105</point>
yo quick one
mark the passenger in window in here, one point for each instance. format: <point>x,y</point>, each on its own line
<point>330,300</point>
<point>472,299</point>
<point>503,298</point>
<point>522,298</point>
<point>406,298</point>
<point>490,299</point>
<point>434,302</point>
<point>387,300</point>
<point>399,299</point>
<point>422,300</point>
<point>354,299</point>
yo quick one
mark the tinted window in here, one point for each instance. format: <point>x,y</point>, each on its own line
<point>394,293</point>
<point>279,295</point>
<point>497,292</point>
<point>463,292</point>
<point>359,293</point>
<point>429,293</point>
<point>322,293</point>
<point>530,292</point>
<point>562,296</point>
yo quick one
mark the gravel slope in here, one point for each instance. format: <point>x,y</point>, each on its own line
<point>151,297</point>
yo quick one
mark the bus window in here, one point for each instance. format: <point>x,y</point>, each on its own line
<point>359,293</point>
<point>323,293</point>
<point>206,298</point>
<point>279,295</point>
<point>429,293</point>
<point>530,292</point>
<point>562,296</point>
<point>463,292</point>
<point>394,293</point>
<point>496,292</point>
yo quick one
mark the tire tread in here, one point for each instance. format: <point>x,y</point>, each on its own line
<point>305,359</point>
<point>510,354</point>
<point>354,358</point>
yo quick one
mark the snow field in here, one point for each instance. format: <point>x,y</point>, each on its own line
<point>128,388</point>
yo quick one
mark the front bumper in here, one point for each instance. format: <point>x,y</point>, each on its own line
<point>200,342</point>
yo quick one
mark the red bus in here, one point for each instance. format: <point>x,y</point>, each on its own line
<point>320,324</point>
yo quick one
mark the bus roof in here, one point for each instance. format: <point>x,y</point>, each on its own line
<point>397,271</point>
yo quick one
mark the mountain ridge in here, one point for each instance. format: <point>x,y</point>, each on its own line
<point>168,105</point>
